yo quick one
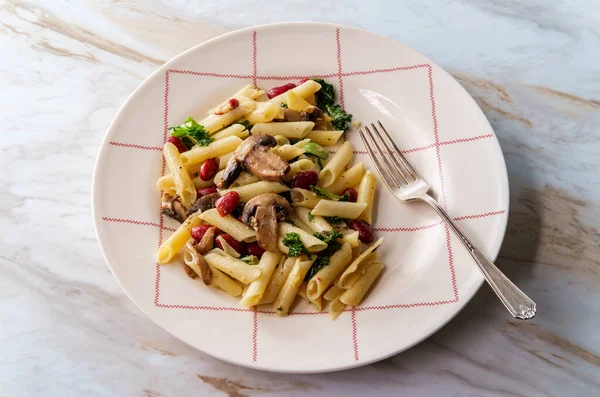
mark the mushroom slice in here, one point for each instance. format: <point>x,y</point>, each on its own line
<point>197,262</point>
<point>294,115</point>
<point>262,213</point>
<point>205,203</point>
<point>320,119</point>
<point>254,155</point>
<point>189,271</point>
<point>172,207</point>
<point>207,242</point>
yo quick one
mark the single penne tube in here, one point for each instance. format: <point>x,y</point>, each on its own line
<point>315,223</point>
<point>281,140</point>
<point>301,166</point>
<point>167,184</point>
<point>292,284</point>
<point>342,282</point>
<point>256,289</point>
<point>350,178</point>
<point>351,237</point>
<point>351,278</point>
<point>311,243</point>
<point>224,159</point>
<point>287,152</point>
<point>293,129</point>
<point>304,90</point>
<point>199,183</point>
<point>228,249</point>
<point>176,241</point>
<point>183,183</point>
<point>232,267</point>
<point>326,276</point>
<point>343,209</point>
<point>357,292</point>
<point>279,276</point>
<point>215,122</point>
<point>245,178</point>
<point>236,229</point>
<point>366,194</point>
<point>295,102</point>
<point>199,154</point>
<point>263,113</point>
<point>233,130</point>
<point>299,223</point>
<point>246,192</point>
<point>333,292</point>
<point>324,138</point>
<point>304,198</point>
<point>336,307</point>
<point>316,304</point>
<point>225,283</point>
<point>248,92</point>
<point>335,167</point>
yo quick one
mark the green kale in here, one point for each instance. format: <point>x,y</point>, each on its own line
<point>310,216</point>
<point>326,95</point>
<point>331,238</point>
<point>315,150</point>
<point>340,118</point>
<point>317,265</point>
<point>284,105</point>
<point>295,245</point>
<point>191,133</point>
<point>319,191</point>
<point>335,220</point>
<point>250,259</point>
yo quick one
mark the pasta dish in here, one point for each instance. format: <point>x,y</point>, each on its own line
<point>267,213</point>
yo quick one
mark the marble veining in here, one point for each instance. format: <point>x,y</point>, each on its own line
<point>66,327</point>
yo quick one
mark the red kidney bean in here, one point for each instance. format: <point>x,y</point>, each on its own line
<point>236,245</point>
<point>177,142</point>
<point>206,191</point>
<point>254,249</point>
<point>208,169</point>
<point>304,179</point>
<point>234,103</point>
<point>352,193</point>
<point>365,232</point>
<point>227,203</point>
<point>198,232</point>
<point>273,92</point>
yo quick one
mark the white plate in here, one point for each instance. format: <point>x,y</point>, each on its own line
<point>429,276</point>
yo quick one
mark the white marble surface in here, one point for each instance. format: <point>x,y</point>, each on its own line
<point>66,328</point>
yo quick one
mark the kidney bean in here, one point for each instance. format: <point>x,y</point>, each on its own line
<point>365,232</point>
<point>236,245</point>
<point>352,193</point>
<point>273,92</point>
<point>227,203</point>
<point>177,142</point>
<point>208,169</point>
<point>234,103</point>
<point>206,191</point>
<point>254,249</point>
<point>198,232</point>
<point>304,179</point>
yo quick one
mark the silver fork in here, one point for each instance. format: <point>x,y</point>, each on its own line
<point>406,184</point>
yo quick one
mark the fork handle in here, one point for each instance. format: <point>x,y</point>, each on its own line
<point>517,303</point>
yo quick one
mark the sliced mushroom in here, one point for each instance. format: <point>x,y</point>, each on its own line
<point>262,213</point>
<point>320,119</point>
<point>205,203</point>
<point>189,271</point>
<point>254,155</point>
<point>294,115</point>
<point>197,259</point>
<point>171,206</point>
<point>207,242</point>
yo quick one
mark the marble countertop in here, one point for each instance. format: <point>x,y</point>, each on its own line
<point>66,327</point>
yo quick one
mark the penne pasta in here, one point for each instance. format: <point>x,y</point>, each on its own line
<point>315,223</point>
<point>294,129</point>
<point>351,237</point>
<point>200,184</point>
<point>281,273</point>
<point>324,138</point>
<point>311,243</point>
<point>304,90</point>
<point>287,152</point>
<point>184,187</point>
<point>176,241</point>
<point>357,292</point>
<point>199,154</point>
<point>346,279</point>
<point>295,102</point>
<point>317,304</point>
<point>166,184</point>
<point>366,194</point>
<point>281,140</point>
<point>246,192</point>
<point>336,307</point>
<point>228,249</point>
<point>232,267</point>
<point>335,167</point>
<point>263,113</point>
<point>324,277</point>
<point>248,92</point>
<point>301,166</point>
<point>333,292</point>
<point>256,289</point>
<point>304,198</point>
<point>230,225</point>
<point>343,209</point>
<point>225,283</point>
<point>351,278</point>
<point>292,284</point>
<point>350,178</point>
<point>215,122</point>
<point>224,159</point>
<point>233,130</point>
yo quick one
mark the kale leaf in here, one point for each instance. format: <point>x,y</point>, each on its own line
<point>295,245</point>
<point>191,133</point>
<point>326,95</point>
<point>340,117</point>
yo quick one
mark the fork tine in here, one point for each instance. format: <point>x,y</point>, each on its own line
<point>413,173</point>
<point>394,172</point>
<point>387,178</point>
